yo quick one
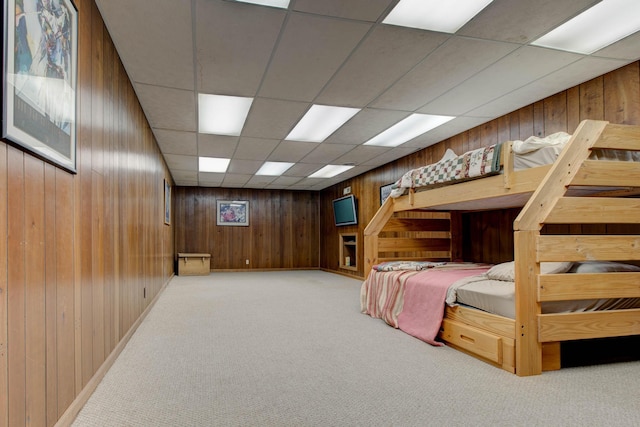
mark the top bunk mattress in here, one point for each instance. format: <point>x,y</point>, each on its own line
<point>481,162</point>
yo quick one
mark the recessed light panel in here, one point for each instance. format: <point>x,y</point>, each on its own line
<point>595,28</point>
<point>330,171</point>
<point>320,122</point>
<point>222,115</point>
<point>407,129</point>
<point>446,16</point>
<point>283,4</point>
<point>213,164</point>
<point>274,168</point>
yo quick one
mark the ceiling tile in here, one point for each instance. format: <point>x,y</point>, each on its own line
<point>174,142</point>
<point>627,48</point>
<point>180,162</point>
<point>451,64</point>
<point>235,179</point>
<point>292,151</point>
<point>522,21</point>
<point>255,148</point>
<point>512,72</point>
<point>168,108</point>
<point>389,156</point>
<point>365,125</point>
<point>244,166</point>
<point>361,154</point>
<point>306,183</point>
<point>210,178</point>
<point>186,183</point>
<point>385,55</point>
<point>364,10</point>
<point>217,145</point>
<point>286,180</point>
<point>447,130</point>
<point>310,51</point>
<point>180,175</point>
<point>167,63</point>
<point>273,118</point>
<point>303,169</point>
<point>326,153</point>
<point>258,181</point>
<point>233,45</point>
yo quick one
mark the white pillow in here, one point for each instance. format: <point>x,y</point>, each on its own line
<point>555,267</point>
<point>602,267</point>
<point>506,271</point>
<point>448,155</point>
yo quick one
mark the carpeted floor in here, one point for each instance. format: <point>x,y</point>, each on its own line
<point>292,349</point>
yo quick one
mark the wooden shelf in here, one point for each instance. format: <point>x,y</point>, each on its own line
<point>348,247</point>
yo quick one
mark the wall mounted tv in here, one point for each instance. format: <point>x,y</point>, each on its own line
<point>344,210</point>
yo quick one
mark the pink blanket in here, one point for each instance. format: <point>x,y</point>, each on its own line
<point>424,301</point>
<point>413,301</point>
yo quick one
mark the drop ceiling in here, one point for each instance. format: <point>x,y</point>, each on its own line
<point>334,52</point>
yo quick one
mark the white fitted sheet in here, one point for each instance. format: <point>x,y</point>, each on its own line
<point>498,296</point>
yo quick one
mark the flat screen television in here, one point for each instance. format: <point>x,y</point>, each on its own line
<point>344,210</point>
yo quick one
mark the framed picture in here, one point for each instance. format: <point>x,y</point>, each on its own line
<point>385,190</point>
<point>40,57</point>
<point>167,203</point>
<point>234,212</point>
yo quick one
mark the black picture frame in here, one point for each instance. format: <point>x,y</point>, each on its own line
<point>385,191</point>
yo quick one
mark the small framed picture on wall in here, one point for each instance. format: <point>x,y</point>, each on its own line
<point>167,202</point>
<point>233,212</point>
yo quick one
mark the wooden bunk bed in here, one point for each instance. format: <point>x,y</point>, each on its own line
<point>574,190</point>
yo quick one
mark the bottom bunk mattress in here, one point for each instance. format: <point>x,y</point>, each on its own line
<point>411,296</point>
<point>494,291</point>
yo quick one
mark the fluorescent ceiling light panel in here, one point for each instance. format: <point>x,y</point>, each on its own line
<point>274,168</point>
<point>597,27</point>
<point>213,164</point>
<point>447,16</point>
<point>330,171</point>
<point>273,3</point>
<point>222,115</point>
<point>407,129</point>
<point>320,122</point>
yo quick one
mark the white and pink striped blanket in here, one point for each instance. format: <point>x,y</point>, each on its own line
<point>414,301</point>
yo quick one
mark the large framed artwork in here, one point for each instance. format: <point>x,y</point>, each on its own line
<point>40,57</point>
<point>234,212</point>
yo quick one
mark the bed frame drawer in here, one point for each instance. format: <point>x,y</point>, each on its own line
<point>474,340</point>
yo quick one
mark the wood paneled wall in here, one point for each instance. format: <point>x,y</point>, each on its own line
<point>614,96</point>
<point>81,255</point>
<point>283,231</point>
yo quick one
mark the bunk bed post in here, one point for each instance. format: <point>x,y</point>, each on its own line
<point>371,232</point>
<point>528,347</point>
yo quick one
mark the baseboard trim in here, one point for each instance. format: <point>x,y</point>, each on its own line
<point>343,273</point>
<point>248,270</point>
<point>81,399</point>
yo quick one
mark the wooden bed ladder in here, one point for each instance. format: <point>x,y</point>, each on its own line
<point>549,205</point>
<point>410,236</point>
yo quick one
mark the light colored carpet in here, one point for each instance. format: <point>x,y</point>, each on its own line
<point>292,349</point>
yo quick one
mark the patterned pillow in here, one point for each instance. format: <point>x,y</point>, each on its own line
<point>406,265</point>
